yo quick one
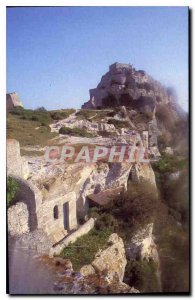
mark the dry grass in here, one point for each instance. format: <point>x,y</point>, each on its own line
<point>26,133</point>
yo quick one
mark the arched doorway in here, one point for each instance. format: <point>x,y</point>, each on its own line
<point>27,195</point>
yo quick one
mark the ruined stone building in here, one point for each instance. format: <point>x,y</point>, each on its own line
<point>56,216</point>
<point>53,199</point>
<point>12,100</point>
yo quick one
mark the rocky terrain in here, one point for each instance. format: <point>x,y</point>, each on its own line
<point>126,214</point>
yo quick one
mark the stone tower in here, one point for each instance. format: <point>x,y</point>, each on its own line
<point>12,100</point>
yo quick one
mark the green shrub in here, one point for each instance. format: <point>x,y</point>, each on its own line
<point>76,132</point>
<point>142,275</point>
<point>138,205</point>
<point>12,189</point>
<point>17,110</point>
<point>61,114</point>
<point>105,221</point>
<point>83,251</point>
<point>118,123</point>
<point>85,114</point>
<point>41,115</point>
<point>169,163</point>
<point>94,212</point>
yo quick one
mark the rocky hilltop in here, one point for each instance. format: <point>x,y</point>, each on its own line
<point>123,85</point>
<point>146,104</point>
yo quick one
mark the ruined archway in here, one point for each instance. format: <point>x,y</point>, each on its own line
<point>26,194</point>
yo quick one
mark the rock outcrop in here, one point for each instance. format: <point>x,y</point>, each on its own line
<point>143,246</point>
<point>110,262</point>
<point>123,85</point>
<point>87,270</point>
<point>148,105</point>
<point>68,281</point>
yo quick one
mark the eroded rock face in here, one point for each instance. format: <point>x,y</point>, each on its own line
<point>143,246</point>
<point>67,281</point>
<point>87,270</point>
<point>123,85</point>
<point>111,261</point>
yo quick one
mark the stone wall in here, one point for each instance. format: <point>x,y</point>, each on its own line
<point>41,211</point>
<point>14,160</point>
<point>52,215</point>
<point>32,197</point>
<point>17,217</point>
<point>16,165</point>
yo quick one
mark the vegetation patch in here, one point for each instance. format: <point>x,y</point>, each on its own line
<point>173,244</point>
<point>83,251</point>
<point>142,275</point>
<point>169,164</point>
<point>41,116</point>
<point>118,123</point>
<point>31,152</point>
<point>172,224</point>
<point>86,114</point>
<point>130,210</point>
<point>12,189</point>
<point>27,131</point>
<point>93,115</point>
<point>61,114</point>
<point>76,132</point>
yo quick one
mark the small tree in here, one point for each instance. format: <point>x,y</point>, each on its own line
<point>12,189</point>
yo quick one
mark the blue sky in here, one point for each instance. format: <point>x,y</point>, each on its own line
<point>55,55</point>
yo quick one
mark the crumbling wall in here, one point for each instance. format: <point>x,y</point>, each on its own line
<point>32,198</point>
<point>17,217</point>
<point>16,165</point>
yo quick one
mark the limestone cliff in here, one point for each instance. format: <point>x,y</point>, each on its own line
<point>123,85</point>
<point>148,104</point>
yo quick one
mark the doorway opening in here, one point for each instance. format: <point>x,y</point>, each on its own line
<point>66,215</point>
